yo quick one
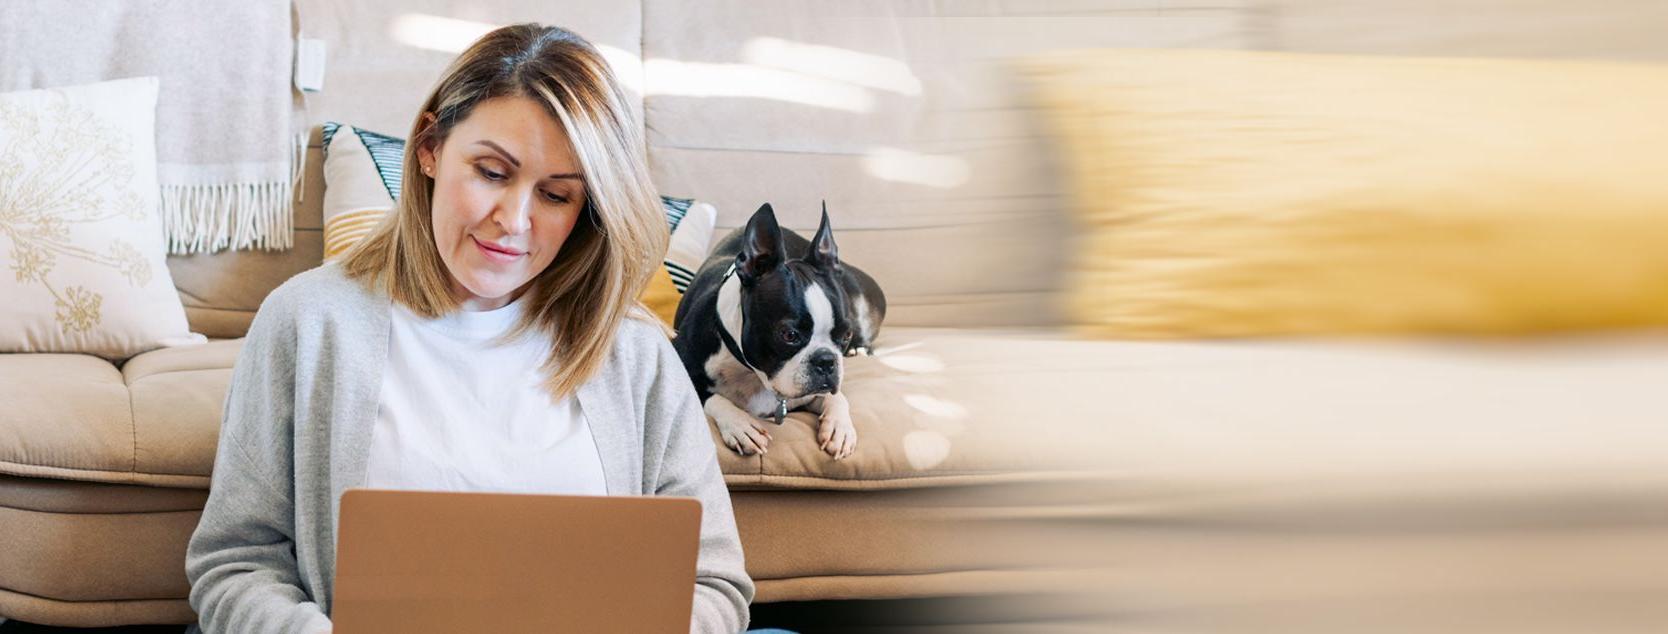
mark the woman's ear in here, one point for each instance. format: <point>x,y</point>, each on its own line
<point>427,147</point>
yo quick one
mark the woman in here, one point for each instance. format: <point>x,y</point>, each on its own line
<point>485,337</point>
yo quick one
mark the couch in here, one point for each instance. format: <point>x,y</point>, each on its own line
<point>1161,485</point>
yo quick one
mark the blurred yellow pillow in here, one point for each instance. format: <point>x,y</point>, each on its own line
<point>1228,193</point>
<point>661,296</point>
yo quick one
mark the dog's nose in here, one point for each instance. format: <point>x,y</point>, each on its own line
<point>824,361</point>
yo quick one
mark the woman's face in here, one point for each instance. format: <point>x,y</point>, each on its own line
<point>507,192</point>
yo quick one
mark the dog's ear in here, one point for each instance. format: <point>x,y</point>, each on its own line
<point>824,253</point>
<point>761,246</point>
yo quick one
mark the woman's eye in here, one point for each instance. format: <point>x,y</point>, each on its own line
<point>489,174</point>
<point>555,198</point>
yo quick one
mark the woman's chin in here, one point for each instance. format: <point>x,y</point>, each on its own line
<point>489,287</point>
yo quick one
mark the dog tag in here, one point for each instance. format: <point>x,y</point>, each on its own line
<point>781,410</point>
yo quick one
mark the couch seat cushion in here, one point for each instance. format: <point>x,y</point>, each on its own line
<point>155,421</point>
<point>953,406</point>
<point>65,416</point>
<point>945,406</point>
<point>938,407</point>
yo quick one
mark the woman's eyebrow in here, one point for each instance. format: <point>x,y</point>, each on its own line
<point>508,157</point>
<point>500,149</point>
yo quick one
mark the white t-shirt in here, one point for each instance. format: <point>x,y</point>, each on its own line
<point>459,413</point>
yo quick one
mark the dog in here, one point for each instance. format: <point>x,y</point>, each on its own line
<point>765,326</point>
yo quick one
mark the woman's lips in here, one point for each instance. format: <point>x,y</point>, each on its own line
<point>495,253</point>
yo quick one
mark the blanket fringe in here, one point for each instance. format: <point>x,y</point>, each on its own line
<point>209,218</point>
<point>238,216</point>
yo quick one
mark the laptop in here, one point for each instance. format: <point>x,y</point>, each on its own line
<point>422,561</point>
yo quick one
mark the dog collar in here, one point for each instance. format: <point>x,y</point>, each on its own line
<point>735,347</point>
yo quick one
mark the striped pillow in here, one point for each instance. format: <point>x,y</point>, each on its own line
<point>386,153</point>
<point>676,209</point>
<point>691,238</point>
<point>360,185</point>
<point>362,180</point>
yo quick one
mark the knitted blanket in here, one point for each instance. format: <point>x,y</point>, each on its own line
<point>229,140</point>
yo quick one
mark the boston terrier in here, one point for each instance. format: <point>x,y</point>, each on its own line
<point>765,326</point>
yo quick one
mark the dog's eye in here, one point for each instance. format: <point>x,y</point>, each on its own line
<point>790,336</point>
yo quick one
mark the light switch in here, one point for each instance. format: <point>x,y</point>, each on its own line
<point>309,64</point>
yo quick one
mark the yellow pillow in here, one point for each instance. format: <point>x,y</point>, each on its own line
<point>1231,193</point>
<point>661,296</point>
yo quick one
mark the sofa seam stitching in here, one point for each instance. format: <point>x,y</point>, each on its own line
<point>61,512</point>
<point>88,469</point>
<point>133,426</point>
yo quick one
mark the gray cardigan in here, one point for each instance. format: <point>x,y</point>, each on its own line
<point>296,433</point>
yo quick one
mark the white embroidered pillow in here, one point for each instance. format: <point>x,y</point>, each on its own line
<point>80,234</point>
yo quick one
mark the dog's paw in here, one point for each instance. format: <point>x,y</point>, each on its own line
<point>835,433</point>
<point>744,434</point>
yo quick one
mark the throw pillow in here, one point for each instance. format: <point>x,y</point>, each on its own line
<point>691,240</point>
<point>1232,193</point>
<point>689,243</point>
<point>79,225</point>
<point>359,190</point>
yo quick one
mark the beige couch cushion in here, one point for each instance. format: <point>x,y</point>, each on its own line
<point>934,408</point>
<point>66,416</point>
<point>89,570</point>
<point>96,556</point>
<point>156,421</point>
<point>845,541</point>
<point>178,399</point>
<point>83,554</point>
<point>952,406</point>
<point>939,406</point>
<point>48,495</point>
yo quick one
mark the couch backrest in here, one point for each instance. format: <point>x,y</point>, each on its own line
<point>899,113</point>
<point>904,117</point>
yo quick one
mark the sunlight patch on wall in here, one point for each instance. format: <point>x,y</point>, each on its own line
<point>436,33</point>
<point>704,79</point>
<point>903,166</point>
<point>779,70</point>
<point>862,69</point>
<point>628,68</point>
<point>451,35</point>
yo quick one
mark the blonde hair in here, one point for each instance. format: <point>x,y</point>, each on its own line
<point>602,268</point>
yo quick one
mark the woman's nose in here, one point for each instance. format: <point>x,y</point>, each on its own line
<point>515,211</point>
